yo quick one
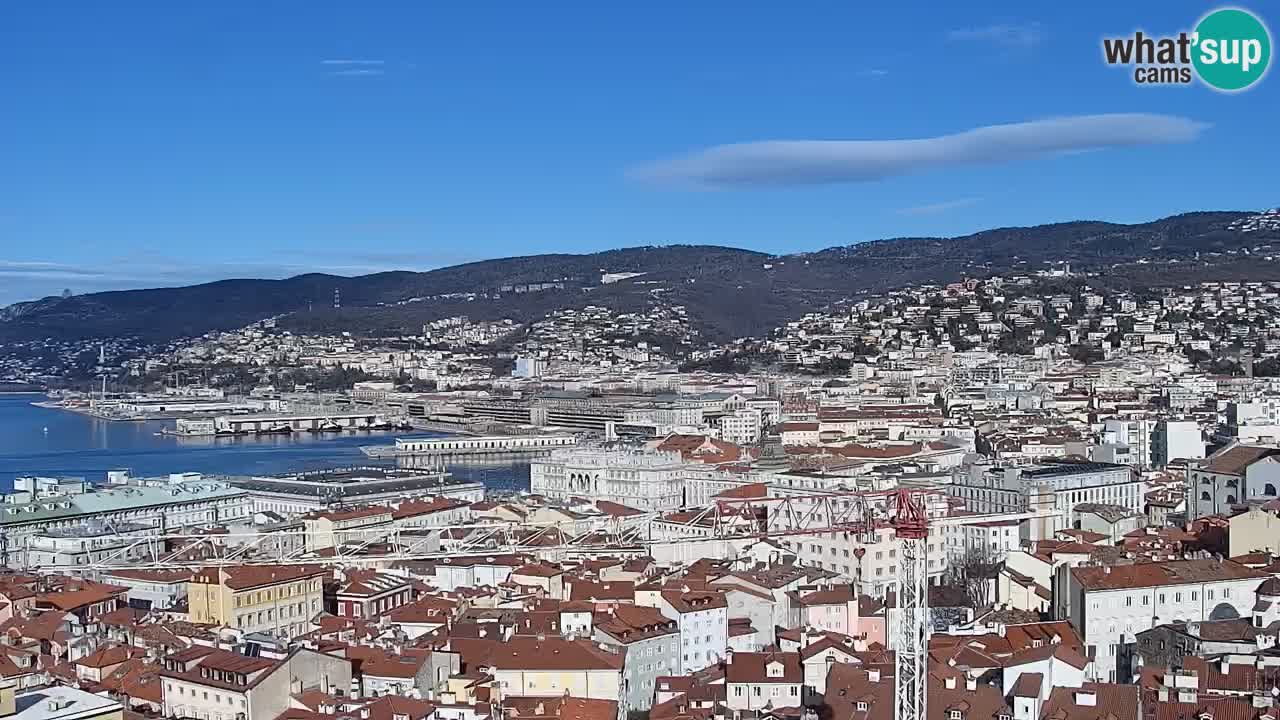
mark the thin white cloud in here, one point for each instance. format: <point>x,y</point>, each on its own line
<point>342,62</point>
<point>353,72</point>
<point>780,163</point>
<point>939,207</point>
<point>25,269</point>
<point>873,73</point>
<point>1007,35</point>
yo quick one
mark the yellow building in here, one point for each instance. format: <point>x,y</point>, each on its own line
<point>274,599</point>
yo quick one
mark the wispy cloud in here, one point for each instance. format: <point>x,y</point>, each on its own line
<point>354,67</point>
<point>939,207</point>
<point>45,270</point>
<point>780,163</point>
<point>1008,35</point>
<point>873,73</point>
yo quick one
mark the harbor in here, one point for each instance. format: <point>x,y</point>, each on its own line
<point>48,442</point>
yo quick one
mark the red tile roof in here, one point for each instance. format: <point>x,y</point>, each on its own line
<point>754,667</point>
<point>244,577</point>
<point>1162,574</point>
<point>1092,701</point>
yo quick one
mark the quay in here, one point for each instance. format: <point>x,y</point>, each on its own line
<point>486,445</point>
<point>279,424</point>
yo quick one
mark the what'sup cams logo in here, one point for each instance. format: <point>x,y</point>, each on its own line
<point>1229,50</point>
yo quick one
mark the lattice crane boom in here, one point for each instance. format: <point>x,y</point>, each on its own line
<point>911,525</point>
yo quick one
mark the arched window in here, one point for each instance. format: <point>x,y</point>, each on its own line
<point>1231,499</point>
<point>1224,611</point>
<point>1269,489</point>
<point>1205,495</point>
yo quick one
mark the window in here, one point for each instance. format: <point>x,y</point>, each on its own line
<point>955,715</point>
<point>862,706</point>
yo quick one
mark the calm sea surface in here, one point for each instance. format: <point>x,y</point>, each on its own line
<point>40,441</point>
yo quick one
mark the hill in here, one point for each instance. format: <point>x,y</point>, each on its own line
<point>726,291</point>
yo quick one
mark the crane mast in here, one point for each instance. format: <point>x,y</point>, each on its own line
<point>911,677</point>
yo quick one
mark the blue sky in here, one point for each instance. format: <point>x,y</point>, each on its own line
<point>159,143</point>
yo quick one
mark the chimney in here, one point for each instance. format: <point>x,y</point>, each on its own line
<point>950,682</point>
<point>873,675</point>
<point>728,656</point>
<point>970,684</point>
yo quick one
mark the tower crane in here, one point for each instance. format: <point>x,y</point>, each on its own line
<point>910,524</point>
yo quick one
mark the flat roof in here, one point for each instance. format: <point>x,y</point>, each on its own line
<point>73,703</point>
<point>1069,468</point>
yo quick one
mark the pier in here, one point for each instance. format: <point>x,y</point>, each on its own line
<point>488,445</point>
<point>251,424</point>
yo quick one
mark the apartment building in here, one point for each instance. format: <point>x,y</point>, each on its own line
<point>703,620</point>
<point>215,684</point>
<point>1235,475</point>
<point>830,607</point>
<point>1057,486</point>
<point>152,589</point>
<point>544,666</point>
<point>756,681</point>
<point>369,594</point>
<point>1110,605</point>
<point>327,529</point>
<point>276,599</point>
<point>650,642</point>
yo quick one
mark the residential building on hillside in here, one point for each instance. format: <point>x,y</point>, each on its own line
<point>525,666</point>
<point>703,620</point>
<point>756,681</point>
<point>1049,486</point>
<point>1235,475</point>
<point>368,594</point>
<point>328,529</point>
<point>650,642</point>
<point>152,589</point>
<point>1110,605</point>
<point>214,684</point>
<point>279,600</point>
